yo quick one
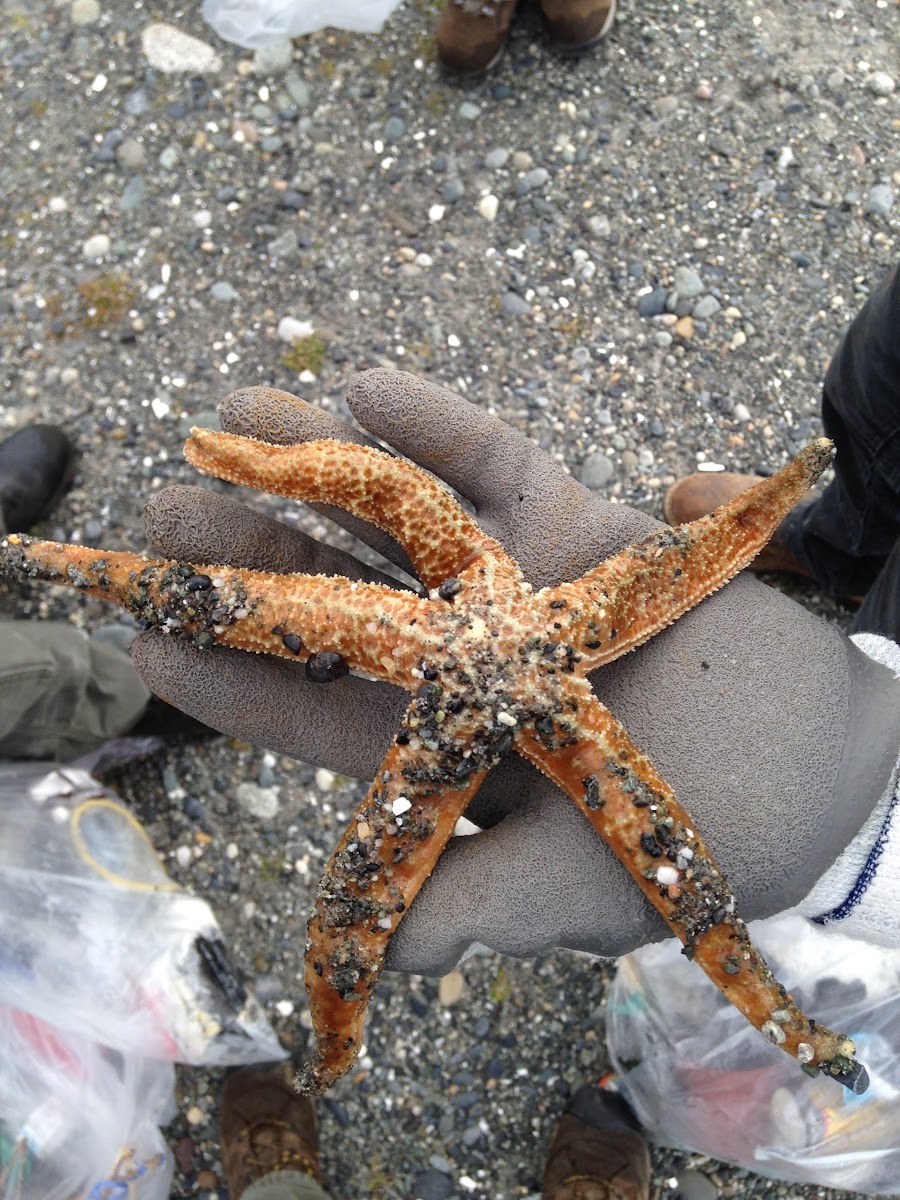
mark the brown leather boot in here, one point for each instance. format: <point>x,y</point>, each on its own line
<point>578,25</point>
<point>264,1126</point>
<point>697,495</point>
<point>471,35</point>
<point>598,1152</point>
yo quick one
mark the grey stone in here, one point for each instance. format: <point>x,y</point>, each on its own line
<point>259,802</point>
<point>394,129</point>
<point>533,180</point>
<point>705,307</point>
<point>137,103</point>
<point>432,1185</point>
<point>880,84</point>
<point>272,144</point>
<point>468,111</point>
<point>880,200</point>
<point>687,282</point>
<point>133,194</point>
<point>274,58</point>
<point>453,190</point>
<point>130,154</point>
<point>596,471</point>
<point>514,305</point>
<point>653,304</point>
<point>599,226</point>
<point>496,158</point>
<point>286,245</point>
<point>168,158</point>
<point>223,291</point>
<point>693,1185</point>
<point>297,89</point>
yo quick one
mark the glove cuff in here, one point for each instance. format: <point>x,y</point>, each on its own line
<point>859,895</point>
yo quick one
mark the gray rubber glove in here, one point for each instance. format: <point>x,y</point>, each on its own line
<point>777,734</point>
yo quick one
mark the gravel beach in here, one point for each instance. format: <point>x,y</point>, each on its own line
<point>642,259</point>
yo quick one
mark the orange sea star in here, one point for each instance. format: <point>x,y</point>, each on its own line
<point>492,666</point>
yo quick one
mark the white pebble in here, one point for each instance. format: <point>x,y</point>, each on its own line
<point>171,51</point>
<point>231,850</point>
<point>507,719</point>
<point>97,246</point>
<point>183,856</point>
<point>85,12</point>
<point>880,84</point>
<point>666,875</point>
<point>290,329</point>
<point>400,806</point>
<point>325,779</point>
<point>436,212</point>
<point>488,206</point>
<point>284,1008</point>
<point>710,466</point>
<point>57,204</point>
<point>160,408</point>
<point>194,1115</point>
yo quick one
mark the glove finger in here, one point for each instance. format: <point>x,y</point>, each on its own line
<point>204,527</point>
<point>346,726</point>
<point>278,417</point>
<point>542,878</point>
<point>555,528</point>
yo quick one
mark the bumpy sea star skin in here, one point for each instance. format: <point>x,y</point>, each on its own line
<point>492,666</point>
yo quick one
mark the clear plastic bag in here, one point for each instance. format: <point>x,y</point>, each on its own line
<point>256,23</point>
<point>97,940</point>
<point>78,1121</point>
<point>701,1078</point>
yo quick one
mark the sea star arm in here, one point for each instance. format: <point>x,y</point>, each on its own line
<point>396,496</point>
<point>388,851</point>
<point>626,600</point>
<point>639,817</point>
<point>379,632</point>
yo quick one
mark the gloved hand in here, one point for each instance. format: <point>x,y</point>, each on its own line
<point>777,734</point>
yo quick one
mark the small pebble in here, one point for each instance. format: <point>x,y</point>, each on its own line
<point>97,246</point>
<point>450,988</point>
<point>653,304</point>
<point>880,84</point>
<point>687,283</point>
<point>705,307</point>
<point>496,158</point>
<point>394,129</point>
<point>194,1115</point>
<point>223,291</point>
<point>130,154</point>
<point>488,206</point>
<point>514,305</point>
<point>291,329</point>
<point>85,12</point>
<point>880,200</point>
<point>596,471</point>
<point>468,111</point>
<point>274,57</point>
<point>173,52</point>
<point>259,802</point>
<point>453,191</point>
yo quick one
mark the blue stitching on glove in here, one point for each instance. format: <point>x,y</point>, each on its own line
<point>867,874</point>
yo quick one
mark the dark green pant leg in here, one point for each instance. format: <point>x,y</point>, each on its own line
<point>62,693</point>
